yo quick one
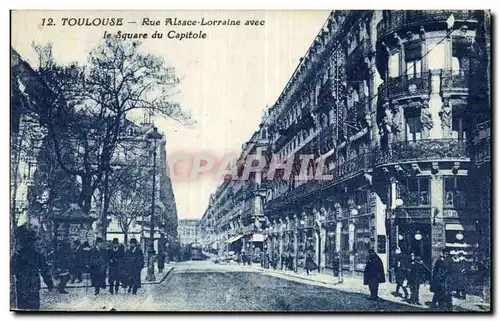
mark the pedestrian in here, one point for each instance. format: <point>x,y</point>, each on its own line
<point>310,264</point>
<point>63,258</point>
<point>98,265</point>
<point>27,265</point>
<point>440,282</point>
<point>462,277</point>
<point>116,256</point>
<point>85,254</point>
<point>416,276</point>
<point>448,268</point>
<point>291,257</point>
<point>161,261</point>
<point>275,260</point>
<point>77,261</point>
<point>135,263</point>
<point>373,274</point>
<point>336,267</point>
<point>401,271</point>
<point>122,266</point>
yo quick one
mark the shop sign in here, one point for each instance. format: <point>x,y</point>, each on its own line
<point>450,213</point>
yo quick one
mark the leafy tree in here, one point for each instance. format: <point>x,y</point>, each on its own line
<point>89,106</point>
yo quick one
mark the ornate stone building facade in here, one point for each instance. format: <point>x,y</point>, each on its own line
<point>388,102</point>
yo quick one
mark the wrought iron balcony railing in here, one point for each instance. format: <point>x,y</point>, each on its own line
<point>455,81</point>
<point>353,166</point>
<point>421,150</point>
<point>406,85</point>
<point>398,19</point>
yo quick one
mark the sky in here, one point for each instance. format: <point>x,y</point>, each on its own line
<point>227,79</point>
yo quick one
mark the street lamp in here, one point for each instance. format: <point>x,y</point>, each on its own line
<point>154,135</point>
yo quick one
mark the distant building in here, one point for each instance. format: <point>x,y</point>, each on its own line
<point>187,231</point>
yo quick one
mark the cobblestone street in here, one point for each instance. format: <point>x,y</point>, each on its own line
<point>205,286</point>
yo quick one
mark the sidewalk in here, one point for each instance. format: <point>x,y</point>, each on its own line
<point>355,285</point>
<point>159,277</point>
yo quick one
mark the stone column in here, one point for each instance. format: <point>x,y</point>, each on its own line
<point>352,229</point>
<point>322,246</point>
<point>281,236</point>
<point>295,241</point>
<point>437,219</point>
<point>430,117</point>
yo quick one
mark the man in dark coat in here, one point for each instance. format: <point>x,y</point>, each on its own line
<point>123,266</point>
<point>63,263</point>
<point>98,265</point>
<point>310,265</point>
<point>78,265</point>
<point>85,254</point>
<point>374,274</point>
<point>27,264</point>
<point>116,255</point>
<point>135,263</point>
<point>440,284</point>
<point>161,261</point>
<point>416,276</point>
<point>401,272</point>
<point>336,267</point>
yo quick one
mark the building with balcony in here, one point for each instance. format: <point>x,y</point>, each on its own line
<point>434,66</point>
<point>394,107</point>
<point>187,231</point>
<point>234,219</point>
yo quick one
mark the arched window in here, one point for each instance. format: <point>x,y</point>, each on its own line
<point>455,66</point>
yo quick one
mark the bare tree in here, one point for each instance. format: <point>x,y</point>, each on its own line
<point>89,107</point>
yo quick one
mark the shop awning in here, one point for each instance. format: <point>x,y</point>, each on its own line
<point>234,239</point>
<point>257,238</point>
<point>460,227</point>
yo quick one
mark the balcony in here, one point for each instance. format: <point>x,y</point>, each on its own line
<point>405,86</point>
<point>422,150</point>
<point>399,19</point>
<point>353,167</point>
<point>454,82</point>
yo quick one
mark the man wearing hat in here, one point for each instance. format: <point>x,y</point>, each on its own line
<point>98,265</point>
<point>374,273</point>
<point>27,265</point>
<point>116,256</point>
<point>135,263</point>
<point>78,266</point>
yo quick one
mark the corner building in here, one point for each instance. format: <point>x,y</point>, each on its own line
<point>389,102</point>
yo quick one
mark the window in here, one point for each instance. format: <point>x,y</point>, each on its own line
<point>415,191</point>
<point>361,197</point>
<point>413,129</point>
<point>436,57</point>
<point>414,68</point>
<point>394,65</point>
<point>454,191</point>
<point>458,128</point>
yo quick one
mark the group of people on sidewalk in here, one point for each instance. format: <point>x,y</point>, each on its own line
<point>410,272</point>
<point>121,265</point>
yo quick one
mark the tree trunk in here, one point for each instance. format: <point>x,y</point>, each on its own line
<point>85,199</point>
<point>105,207</point>
<point>125,238</point>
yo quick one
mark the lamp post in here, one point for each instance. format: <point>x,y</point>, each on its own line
<point>154,135</point>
